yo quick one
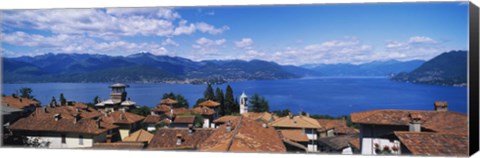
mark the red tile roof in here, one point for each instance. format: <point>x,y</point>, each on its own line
<point>119,117</point>
<point>340,126</point>
<point>162,108</point>
<point>139,136</point>
<point>184,119</point>
<point>41,121</point>
<point>203,111</point>
<point>437,144</point>
<point>168,101</point>
<point>260,116</point>
<point>152,119</point>
<point>226,118</point>
<point>209,103</point>
<point>296,122</point>
<point>247,135</point>
<point>355,143</point>
<point>18,102</point>
<point>438,121</point>
<point>296,135</point>
<point>166,138</point>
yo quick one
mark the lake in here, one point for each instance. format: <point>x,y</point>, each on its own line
<point>321,95</point>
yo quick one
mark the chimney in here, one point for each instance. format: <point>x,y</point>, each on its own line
<point>229,126</point>
<point>441,106</point>
<point>76,118</point>
<point>57,117</point>
<point>45,110</point>
<point>97,122</point>
<point>152,112</point>
<point>415,124</point>
<point>171,112</point>
<point>190,129</point>
<point>290,115</point>
<point>20,99</point>
<point>307,114</point>
<point>265,125</point>
<point>179,139</point>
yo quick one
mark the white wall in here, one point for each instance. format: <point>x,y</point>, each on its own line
<point>71,140</point>
<point>151,127</point>
<point>206,123</point>
<point>368,145</point>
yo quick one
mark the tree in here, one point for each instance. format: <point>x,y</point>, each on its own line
<point>63,101</point>
<point>258,104</point>
<point>229,101</point>
<point>26,92</point>
<point>220,99</point>
<point>281,113</point>
<point>198,122</point>
<point>142,111</point>
<point>96,100</point>
<point>208,94</point>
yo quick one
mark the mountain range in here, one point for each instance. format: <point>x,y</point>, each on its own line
<point>449,68</point>
<point>148,68</point>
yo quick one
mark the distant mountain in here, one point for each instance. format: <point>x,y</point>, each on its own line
<point>141,67</point>
<point>375,68</point>
<point>449,68</point>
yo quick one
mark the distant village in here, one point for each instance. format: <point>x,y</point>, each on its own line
<point>112,124</point>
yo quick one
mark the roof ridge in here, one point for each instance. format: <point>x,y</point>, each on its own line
<point>237,128</point>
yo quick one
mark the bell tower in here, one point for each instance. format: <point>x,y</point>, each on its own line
<point>243,103</point>
<point>118,93</point>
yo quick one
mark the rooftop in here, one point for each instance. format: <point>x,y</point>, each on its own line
<point>338,142</point>
<point>184,119</point>
<point>152,119</point>
<point>168,101</point>
<point>209,103</point>
<point>166,138</point>
<point>18,102</point>
<point>438,121</point>
<point>247,135</point>
<point>296,122</point>
<point>438,144</point>
<point>139,136</point>
<point>45,122</point>
<point>119,117</point>
<point>340,126</point>
<point>260,116</point>
<point>296,135</point>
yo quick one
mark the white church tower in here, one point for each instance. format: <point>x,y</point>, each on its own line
<point>243,103</point>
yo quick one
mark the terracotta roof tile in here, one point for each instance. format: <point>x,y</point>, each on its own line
<point>437,144</point>
<point>119,117</point>
<point>162,108</point>
<point>439,121</point>
<point>226,118</point>
<point>18,102</point>
<point>203,111</point>
<point>209,103</point>
<point>355,143</point>
<point>247,135</point>
<point>45,121</point>
<point>260,116</point>
<point>440,104</point>
<point>168,101</point>
<point>139,136</point>
<point>340,126</point>
<point>296,135</point>
<point>152,119</point>
<point>184,119</point>
<point>166,138</point>
<point>296,122</point>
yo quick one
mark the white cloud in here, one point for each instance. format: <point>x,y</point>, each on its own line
<point>416,47</point>
<point>207,47</point>
<point>244,43</point>
<point>107,23</point>
<point>169,41</point>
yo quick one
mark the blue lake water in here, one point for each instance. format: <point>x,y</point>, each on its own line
<point>328,95</point>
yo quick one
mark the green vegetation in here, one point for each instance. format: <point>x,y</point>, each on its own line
<point>281,113</point>
<point>26,92</point>
<point>63,101</point>
<point>259,104</point>
<point>220,99</point>
<point>142,111</point>
<point>181,101</point>
<point>229,101</point>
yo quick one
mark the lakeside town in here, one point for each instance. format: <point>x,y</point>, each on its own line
<point>225,122</point>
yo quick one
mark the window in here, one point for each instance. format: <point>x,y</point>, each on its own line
<point>80,139</point>
<point>64,139</point>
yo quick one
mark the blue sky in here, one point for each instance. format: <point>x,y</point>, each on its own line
<point>286,34</point>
